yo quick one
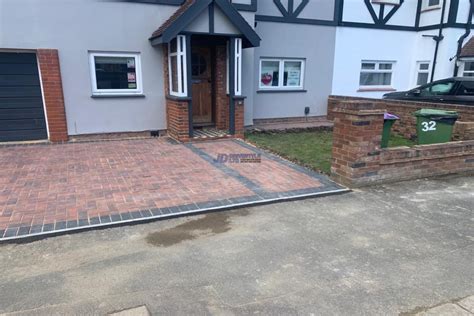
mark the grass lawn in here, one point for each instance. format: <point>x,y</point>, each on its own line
<point>397,140</point>
<point>311,149</point>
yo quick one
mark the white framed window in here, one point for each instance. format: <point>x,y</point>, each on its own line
<point>423,70</point>
<point>467,68</point>
<point>115,73</point>
<point>238,67</point>
<point>376,74</point>
<point>283,74</point>
<point>431,4</point>
<point>177,69</point>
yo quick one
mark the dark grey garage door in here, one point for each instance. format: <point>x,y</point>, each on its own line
<point>21,104</point>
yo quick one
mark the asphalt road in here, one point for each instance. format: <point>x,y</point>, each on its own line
<point>389,249</point>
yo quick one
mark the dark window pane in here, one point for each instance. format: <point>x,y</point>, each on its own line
<point>375,79</point>
<point>466,88</point>
<point>199,64</point>
<point>269,75</point>
<point>368,65</point>
<point>424,66</point>
<point>115,73</point>
<point>422,78</point>
<point>174,73</point>
<point>438,89</point>
<point>173,45</point>
<point>469,66</point>
<point>433,2</point>
<point>385,66</point>
<point>292,74</point>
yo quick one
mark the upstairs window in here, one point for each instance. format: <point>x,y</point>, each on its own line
<point>376,74</point>
<point>431,4</point>
<point>468,69</point>
<point>422,72</point>
<point>115,74</point>
<point>283,74</point>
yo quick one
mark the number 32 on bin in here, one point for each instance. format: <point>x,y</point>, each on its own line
<point>428,126</point>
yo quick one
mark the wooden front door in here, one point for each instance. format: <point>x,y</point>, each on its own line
<point>202,85</point>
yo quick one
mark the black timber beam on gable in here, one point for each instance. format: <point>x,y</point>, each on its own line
<point>371,10</point>
<point>249,36</point>
<point>234,16</point>
<point>164,2</point>
<point>453,11</point>
<point>252,7</point>
<point>380,22</point>
<point>418,13</point>
<point>282,19</point>
<point>211,18</point>
<point>382,19</point>
<point>184,20</point>
<point>392,12</point>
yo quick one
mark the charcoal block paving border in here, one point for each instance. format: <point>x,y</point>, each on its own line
<point>127,217</point>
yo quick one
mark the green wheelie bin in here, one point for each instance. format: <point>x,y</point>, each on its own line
<point>434,126</point>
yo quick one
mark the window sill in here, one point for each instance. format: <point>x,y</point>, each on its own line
<point>376,90</point>
<point>177,98</point>
<point>433,8</point>
<point>105,96</point>
<point>394,2</point>
<point>281,91</point>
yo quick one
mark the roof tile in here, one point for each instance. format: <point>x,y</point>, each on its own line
<point>468,49</point>
<point>185,6</point>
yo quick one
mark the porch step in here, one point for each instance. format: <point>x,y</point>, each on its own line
<point>208,133</point>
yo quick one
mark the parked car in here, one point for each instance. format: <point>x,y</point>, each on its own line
<point>458,90</point>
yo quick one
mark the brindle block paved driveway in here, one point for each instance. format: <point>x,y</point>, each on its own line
<point>46,189</point>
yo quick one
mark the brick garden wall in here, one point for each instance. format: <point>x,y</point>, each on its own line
<point>406,126</point>
<point>48,60</point>
<point>358,159</point>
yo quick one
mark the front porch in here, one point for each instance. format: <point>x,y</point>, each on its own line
<point>202,58</point>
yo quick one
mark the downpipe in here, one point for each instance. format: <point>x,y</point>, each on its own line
<point>438,39</point>
<point>463,37</point>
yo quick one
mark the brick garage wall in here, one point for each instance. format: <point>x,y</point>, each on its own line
<point>358,159</point>
<point>48,60</point>
<point>406,126</point>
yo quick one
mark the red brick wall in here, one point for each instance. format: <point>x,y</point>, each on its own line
<point>53,94</point>
<point>177,110</point>
<point>358,159</point>
<point>177,119</point>
<point>222,99</point>
<point>239,117</point>
<point>406,126</point>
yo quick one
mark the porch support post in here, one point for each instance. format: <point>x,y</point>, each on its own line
<point>189,84</point>
<point>231,85</point>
